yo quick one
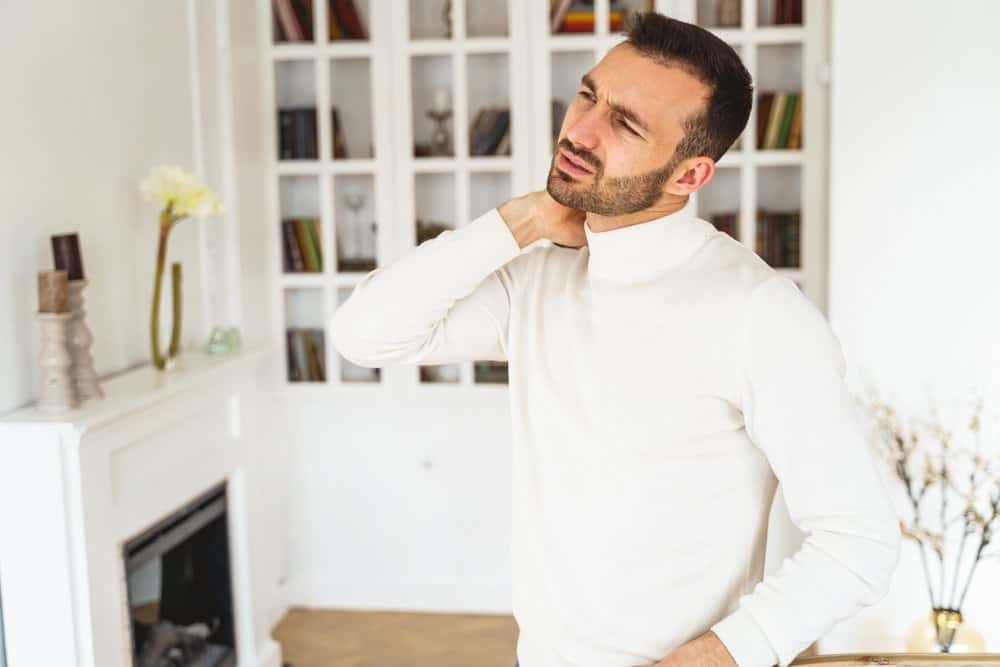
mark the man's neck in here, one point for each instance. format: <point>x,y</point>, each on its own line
<point>601,223</point>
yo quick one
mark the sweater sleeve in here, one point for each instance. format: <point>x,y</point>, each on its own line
<point>447,300</point>
<point>798,410</point>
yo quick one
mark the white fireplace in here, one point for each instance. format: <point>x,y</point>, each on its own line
<point>78,491</point>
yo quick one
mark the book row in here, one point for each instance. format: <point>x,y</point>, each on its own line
<point>567,16</point>
<point>293,20</point>
<point>490,132</point>
<point>301,242</point>
<point>306,354</point>
<point>297,134</point>
<point>777,240</point>
<point>779,120</point>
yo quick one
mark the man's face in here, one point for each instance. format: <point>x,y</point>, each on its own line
<point>623,126</point>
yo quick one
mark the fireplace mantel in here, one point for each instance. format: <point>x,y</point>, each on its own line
<point>75,487</point>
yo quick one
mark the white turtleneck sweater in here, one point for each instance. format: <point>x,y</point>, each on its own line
<point>663,378</point>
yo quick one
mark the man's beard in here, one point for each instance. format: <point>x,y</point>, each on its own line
<point>611,196</point>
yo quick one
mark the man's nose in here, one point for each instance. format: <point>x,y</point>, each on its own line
<point>585,130</point>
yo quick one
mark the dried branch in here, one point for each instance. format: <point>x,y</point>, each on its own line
<point>929,458</point>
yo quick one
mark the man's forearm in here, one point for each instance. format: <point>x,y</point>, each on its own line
<point>705,650</point>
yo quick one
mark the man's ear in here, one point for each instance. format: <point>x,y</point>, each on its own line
<point>692,175</point>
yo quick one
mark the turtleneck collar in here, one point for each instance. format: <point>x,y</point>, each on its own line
<point>637,252</point>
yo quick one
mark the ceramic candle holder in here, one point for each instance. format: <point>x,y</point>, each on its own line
<point>79,342</point>
<point>58,394</point>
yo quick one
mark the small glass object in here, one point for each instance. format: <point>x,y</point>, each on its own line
<point>223,340</point>
<point>441,138</point>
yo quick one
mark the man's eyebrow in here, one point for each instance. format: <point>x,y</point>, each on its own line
<point>623,110</point>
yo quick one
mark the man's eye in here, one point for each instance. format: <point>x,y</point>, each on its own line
<point>626,126</point>
<point>584,93</point>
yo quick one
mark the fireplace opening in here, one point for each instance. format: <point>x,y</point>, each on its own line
<point>179,588</point>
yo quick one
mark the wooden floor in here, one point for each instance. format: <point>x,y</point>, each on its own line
<point>335,638</point>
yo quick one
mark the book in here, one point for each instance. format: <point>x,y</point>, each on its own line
<point>304,17</point>
<point>764,101</point>
<point>786,121</point>
<point>795,132</point>
<point>489,129</point>
<point>294,370</point>
<point>503,148</point>
<point>777,238</point>
<point>348,18</point>
<point>294,261</point>
<point>300,362</point>
<point>317,240</point>
<point>289,28</point>
<point>309,245</point>
<point>483,130</point>
<point>587,19</point>
<point>496,132</point>
<point>339,143</point>
<point>306,354</point>
<point>333,29</point>
<point>320,349</point>
<point>787,12</point>
<point>476,129</point>
<point>774,120</point>
<point>297,133</point>
<point>291,22</point>
<point>310,349</point>
<point>559,13</point>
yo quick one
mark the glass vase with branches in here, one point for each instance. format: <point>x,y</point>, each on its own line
<point>950,476</point>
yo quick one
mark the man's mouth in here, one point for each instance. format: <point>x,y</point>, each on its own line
<point>572,165</point>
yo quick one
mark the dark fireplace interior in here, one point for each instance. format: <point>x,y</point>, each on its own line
<point>179,588</point>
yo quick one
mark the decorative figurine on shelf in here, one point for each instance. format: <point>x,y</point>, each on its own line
<point>182,195</point>
<point>951,484</point>
<point>356,250</point>
<point>66,256</point>
<point>441,138</point>
<point>446,17</point>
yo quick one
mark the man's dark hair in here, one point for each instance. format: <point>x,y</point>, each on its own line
<point>710,60</point>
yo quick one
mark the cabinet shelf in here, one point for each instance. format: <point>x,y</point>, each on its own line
<point>449,46</point>
<point>433,165</point>
<point>333,50</point>
<point>324,167</point>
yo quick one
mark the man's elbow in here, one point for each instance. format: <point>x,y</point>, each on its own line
<point>880,558</point>
<point>346,339</point>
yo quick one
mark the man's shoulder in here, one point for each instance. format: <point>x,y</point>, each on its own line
<point>729,264</point>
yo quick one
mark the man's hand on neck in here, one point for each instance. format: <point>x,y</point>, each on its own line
<point>537,215</point>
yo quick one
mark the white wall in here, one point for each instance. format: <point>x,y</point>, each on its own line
<point>94,94</point>
<point>401,501</point>
<point>914,276</point>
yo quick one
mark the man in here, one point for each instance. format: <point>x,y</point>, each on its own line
<point>663,378</point>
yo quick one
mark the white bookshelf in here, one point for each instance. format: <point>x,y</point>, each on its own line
<point>499,53</point>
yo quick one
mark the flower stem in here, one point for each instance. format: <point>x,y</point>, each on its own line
<point>175,334</point>
<point>167,221</point>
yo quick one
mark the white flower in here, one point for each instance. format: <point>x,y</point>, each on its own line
<point>180,191</point>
